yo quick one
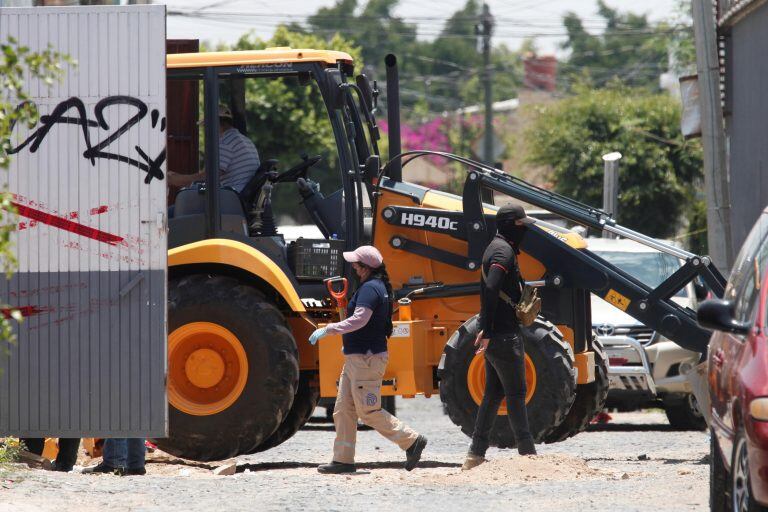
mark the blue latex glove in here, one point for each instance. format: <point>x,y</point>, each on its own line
<point>315,336</point>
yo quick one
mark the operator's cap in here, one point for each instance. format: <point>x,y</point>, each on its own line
<point>224,113</point>
<point>513,212</point>
<point>365,254</point>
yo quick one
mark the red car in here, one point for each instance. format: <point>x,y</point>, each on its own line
<point>738,380</point>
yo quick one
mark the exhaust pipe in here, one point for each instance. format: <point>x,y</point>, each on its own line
<point>393,117</point>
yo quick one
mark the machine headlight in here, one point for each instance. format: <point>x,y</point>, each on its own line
<point>686,367</point>
<point>758,408</point>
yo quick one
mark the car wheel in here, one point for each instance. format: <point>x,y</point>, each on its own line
<point>742,499</point>
<point>685,414</point>
<point>719,489</point>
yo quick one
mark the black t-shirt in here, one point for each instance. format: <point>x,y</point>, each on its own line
<point>372,294</point>
<point>502,275</point>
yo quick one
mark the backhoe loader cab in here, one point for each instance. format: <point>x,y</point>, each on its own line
<point>242,376</point>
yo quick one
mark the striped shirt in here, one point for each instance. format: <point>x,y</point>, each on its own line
<point>238,159</point>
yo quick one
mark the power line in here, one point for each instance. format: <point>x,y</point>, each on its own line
<point>545,23</point>
<point>270,19</point>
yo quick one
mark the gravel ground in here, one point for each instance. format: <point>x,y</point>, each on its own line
<point>635,463</point>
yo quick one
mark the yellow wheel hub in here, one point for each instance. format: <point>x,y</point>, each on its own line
<point>476,381</point>
<point>207,368</point>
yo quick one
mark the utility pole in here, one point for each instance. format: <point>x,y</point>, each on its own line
<point>485,28</point>
<point>716,184</point>
<point>611,187</point>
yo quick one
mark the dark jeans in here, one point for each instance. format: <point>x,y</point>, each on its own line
<point>68,446</point>
<point>124,453</point>
<point>504,378</point>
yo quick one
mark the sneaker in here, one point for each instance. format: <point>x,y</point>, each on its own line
<point>336,468</point>
<point>103,469</point>
<point>472,461</point>
<point>526,447</point>
<point>134,472</point>
<point>413,454</point>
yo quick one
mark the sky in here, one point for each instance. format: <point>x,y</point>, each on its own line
<point>225,20</point>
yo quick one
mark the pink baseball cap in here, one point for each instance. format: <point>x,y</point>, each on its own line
<point>365,254</point>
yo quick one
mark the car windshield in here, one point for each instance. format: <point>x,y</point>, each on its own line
<point>650,268</point>
<point>744,282</point>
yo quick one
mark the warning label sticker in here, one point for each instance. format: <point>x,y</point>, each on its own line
<point>401,331</point>
<point>617,299</point>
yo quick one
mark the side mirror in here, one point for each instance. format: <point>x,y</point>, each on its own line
<point>700,289</point>
<point>717,314</point>
<point>372,167</point>
<point>365,88</point>
<point>337,100</point>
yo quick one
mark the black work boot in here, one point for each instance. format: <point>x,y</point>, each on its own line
<point>472,461</point>
<point>60,466</point>
<point>413,454</point>
<point>104,469</point>
<point>336,468</point>
<point>526,447</point>
<point>134,472</point>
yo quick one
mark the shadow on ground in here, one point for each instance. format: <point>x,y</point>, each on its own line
<point>630,427</point>
<point>270,466</point>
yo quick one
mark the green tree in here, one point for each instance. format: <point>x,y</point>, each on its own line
<point>436,76</point>
<point>285,118</point>
<point>631,49</point>
<point>375,29</point>
<point>659,166</point>
<point>16,62</point>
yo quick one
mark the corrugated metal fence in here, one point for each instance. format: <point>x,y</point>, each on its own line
<point>88,184</point>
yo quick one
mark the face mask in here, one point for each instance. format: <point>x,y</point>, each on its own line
<point>514,234</point>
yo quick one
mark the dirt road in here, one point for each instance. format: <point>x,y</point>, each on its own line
<point>635,463</point>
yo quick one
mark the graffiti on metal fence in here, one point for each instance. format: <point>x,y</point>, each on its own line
<point>151,166</point>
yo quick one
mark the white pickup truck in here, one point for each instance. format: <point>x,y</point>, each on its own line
<point>645,368</point>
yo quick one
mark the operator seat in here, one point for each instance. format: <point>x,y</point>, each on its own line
<point>256,200</point>
<point>188,221</point>
<point>191,201</point>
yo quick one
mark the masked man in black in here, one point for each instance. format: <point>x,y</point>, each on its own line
<point>499,337</point>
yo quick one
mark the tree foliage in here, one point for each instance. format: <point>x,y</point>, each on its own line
<point>375,29</point>
<point>631,49</point>
<point>435,76</point>
<point>657,170</point>
<point>286,119</point>
<point>17,63</point>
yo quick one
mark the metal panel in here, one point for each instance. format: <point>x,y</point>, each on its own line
<point>88,179</point>
<point>748,121</point>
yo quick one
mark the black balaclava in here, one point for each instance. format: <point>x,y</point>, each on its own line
<point>512,233</point>
<point>506,226</point>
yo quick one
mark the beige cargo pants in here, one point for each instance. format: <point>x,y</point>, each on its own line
<point>360,396</point>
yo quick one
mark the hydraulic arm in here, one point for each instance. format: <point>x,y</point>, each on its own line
<point>566,267</point>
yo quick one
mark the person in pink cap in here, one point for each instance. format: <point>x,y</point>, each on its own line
<point>364,334</point>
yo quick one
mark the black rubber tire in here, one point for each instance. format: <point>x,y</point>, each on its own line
<point>273,370</point>
<point>555,381</point>
<point>590,400</point>
<point>304,404</point>
<point>719,479</point>
<point>740,454</point>
<point>684,414</point>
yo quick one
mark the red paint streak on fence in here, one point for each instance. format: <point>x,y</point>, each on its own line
<point>25,311</point>
<point>69,215</point>
<point>67,225</point>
